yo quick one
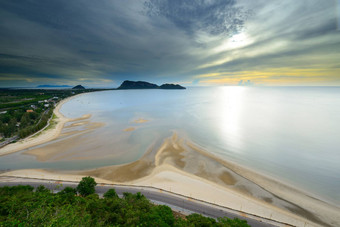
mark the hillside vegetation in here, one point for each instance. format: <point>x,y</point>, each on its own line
<point>26,111</point>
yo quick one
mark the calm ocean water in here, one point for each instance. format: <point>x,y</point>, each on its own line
<point>289,133</point>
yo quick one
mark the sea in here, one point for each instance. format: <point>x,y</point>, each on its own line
<point>291,134</point>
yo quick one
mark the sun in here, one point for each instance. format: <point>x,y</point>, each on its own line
<point>236,41</point>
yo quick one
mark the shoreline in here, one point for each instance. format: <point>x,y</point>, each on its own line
<point>144,189</point>
<point>45,135</point>
<point>257,176</point>
<point>180,166</point>
<point>165,175</point>
<point>166,178</point>
<point>198,174</point>
<point>169,168</point>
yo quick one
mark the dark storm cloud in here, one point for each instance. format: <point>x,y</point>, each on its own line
<point>53,14</point>
<point>215,17</point>
<point>108,38</point>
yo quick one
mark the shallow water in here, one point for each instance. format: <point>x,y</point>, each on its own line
<point>289,133</point>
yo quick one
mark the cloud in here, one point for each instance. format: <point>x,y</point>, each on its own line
<point>215,17</point>
<point>245,83</point>
<point>162,40</point>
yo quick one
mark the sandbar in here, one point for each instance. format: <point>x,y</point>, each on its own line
<point>182,167</point>
<point>140,120</point>
<point>129,129</point>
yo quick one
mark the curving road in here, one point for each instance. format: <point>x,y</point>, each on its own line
<point>175,201</point>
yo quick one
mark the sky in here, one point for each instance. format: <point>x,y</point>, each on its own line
<point>194,43</point>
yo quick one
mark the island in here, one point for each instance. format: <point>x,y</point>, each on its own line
<point>78,87</point>
<point>171,86</point>
<point>127,84</point>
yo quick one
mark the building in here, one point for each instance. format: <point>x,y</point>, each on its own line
<point>29,111</point>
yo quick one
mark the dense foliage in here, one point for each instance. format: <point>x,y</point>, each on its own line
<point>22,206</point>
<point>86,186</point>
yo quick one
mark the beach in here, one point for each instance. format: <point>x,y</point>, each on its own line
<point>181,166</point>
<point>209,179</point>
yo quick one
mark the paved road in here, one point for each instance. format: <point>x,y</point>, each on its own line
<point>185,204</point>
<point>8,140</point>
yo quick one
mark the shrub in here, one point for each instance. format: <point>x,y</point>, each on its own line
<point>68,190</point>
<point>111,193</point>
<point>42,189</point>
<point>86,186</point>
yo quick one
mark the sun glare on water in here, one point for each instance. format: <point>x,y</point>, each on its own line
<point>230,105</point>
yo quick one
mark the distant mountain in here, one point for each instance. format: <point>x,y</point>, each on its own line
<point>127,84</point>
<point>78,87</point>
<point>52,85</point>
<point>171,86</point>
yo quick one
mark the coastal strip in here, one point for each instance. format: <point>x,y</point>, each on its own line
<point>181,204</point>
<point>45,135</point>
<point>181,167</point>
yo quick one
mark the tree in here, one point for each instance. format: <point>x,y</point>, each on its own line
<point>86,186</point>
<point>18,114</point>
<point>12,127</point>
<point>68,190</point>
<point>1,128</point>
<point>162,215</point>
<point>67,195</point>
<point>6,118</point>
<point>224,221</point>
<point>42,189</point>
<point>111,193</point>
<point>199,220</point>
<point>22,206</point>
<point>24,120</point>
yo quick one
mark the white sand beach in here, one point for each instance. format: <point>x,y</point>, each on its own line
<point>180,167</point>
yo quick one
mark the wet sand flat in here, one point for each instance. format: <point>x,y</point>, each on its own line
<point>61,149</point>
<point>179,165</point>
